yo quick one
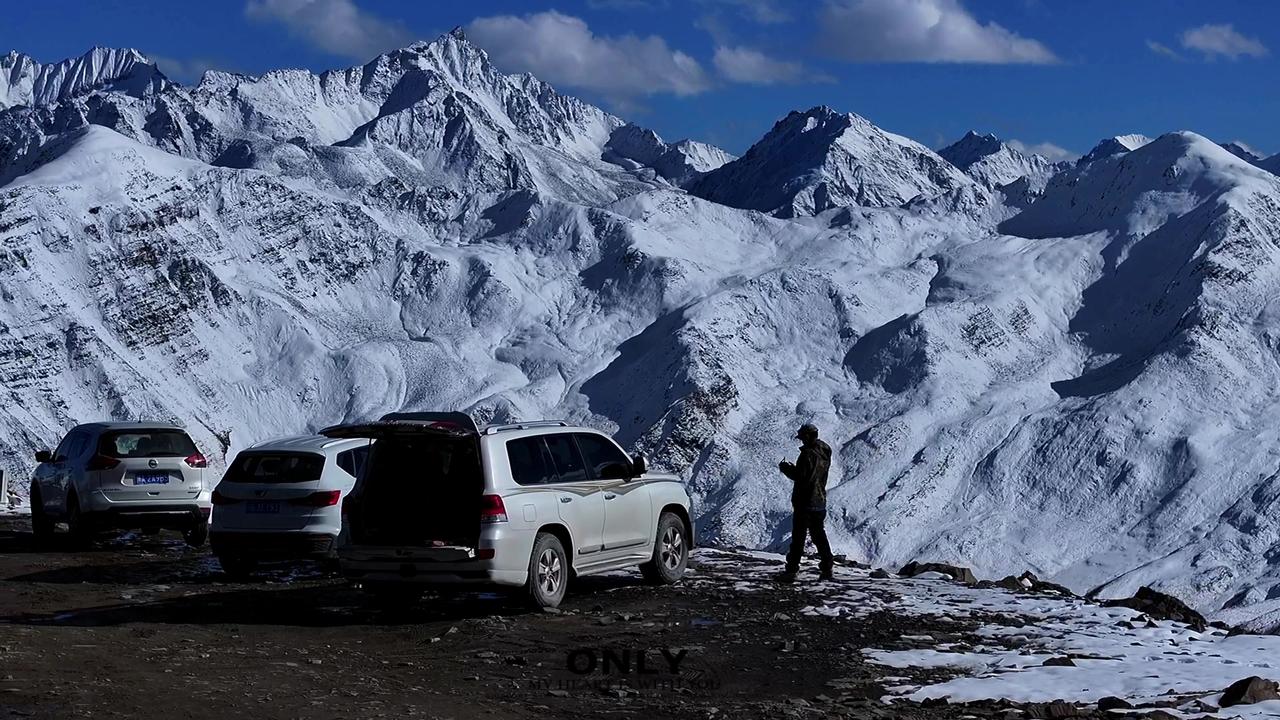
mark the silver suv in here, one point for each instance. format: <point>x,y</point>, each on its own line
<point>105,476</point>
<point>442,502</point>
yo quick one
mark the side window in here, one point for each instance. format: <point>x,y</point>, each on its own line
<point>531,462</point>
<point>604,459</point>
<point>64,447</point>
<point>564,452</point>
<point>72,446</point>
<point>79,441</point>
<point>352,461</point>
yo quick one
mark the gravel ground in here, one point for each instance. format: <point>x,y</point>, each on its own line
<point>143,626</point>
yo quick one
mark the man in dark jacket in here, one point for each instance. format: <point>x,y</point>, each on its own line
<point>808,502</point>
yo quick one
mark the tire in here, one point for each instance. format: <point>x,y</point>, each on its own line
<point>670,552</point>
<point>197,534</point>
<point>78,531</point>
<point>548,572</point>
<point>41,523</point>
<point>237,568</point>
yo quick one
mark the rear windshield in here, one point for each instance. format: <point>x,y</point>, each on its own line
<point>275,468</point>
<point>146,443</point>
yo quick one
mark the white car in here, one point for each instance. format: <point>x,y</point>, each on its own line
<point>528,505</point>
<point>106,476</point>
<point>281,500</point>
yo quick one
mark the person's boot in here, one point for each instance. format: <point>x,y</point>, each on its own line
<point>826,574</point>
<point>786,577</point>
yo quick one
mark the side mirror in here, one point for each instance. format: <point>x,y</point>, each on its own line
<point>639,465</point>
<point>615,471</point>
<point>44,456</point>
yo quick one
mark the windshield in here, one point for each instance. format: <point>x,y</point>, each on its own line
<point>146,444</point>
<point>275,468</point>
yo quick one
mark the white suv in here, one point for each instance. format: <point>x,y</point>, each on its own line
<point>106,476</point>
<point>444,503</point>
<point>280,500</point>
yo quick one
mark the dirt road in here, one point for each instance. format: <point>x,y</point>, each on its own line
<point>142,626</point>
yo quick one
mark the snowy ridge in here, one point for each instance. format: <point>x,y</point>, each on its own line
<point>1270,164</point>
<point>1079,382</point>
<point>679,163</point>
<point>1242,151</point>
<point>820,159</point>
<point>991,162</point>
<point>24,81</point>
<point>1112,146</point>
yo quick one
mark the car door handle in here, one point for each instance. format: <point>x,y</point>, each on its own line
<point>609,496</point>
<point>565,498</point>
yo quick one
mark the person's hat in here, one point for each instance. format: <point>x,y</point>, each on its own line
<point>807,430</point>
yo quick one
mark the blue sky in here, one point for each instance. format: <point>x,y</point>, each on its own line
<point>1062,72</point>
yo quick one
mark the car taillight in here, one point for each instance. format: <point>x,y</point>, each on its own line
<point>492,510</point>
<point>101,462</point>
<point>323,498</point>
<point>218,498</point>
<point>196,460</point>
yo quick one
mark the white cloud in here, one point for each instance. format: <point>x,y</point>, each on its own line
<point>745,65</point>
<point>764,12</point>
<point>562,50</point>
<point>940,31</point>
<point>335,26</point>
<point>1161,49</point>
<point>1046,150</point>
<point>1214,40</point>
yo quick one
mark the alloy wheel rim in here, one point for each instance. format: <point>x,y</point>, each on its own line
<point>550,571</point>
<point>672,548</point>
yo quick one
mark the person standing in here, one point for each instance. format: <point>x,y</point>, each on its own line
<point>808,503</point>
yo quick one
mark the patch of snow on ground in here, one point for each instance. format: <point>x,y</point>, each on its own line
<point>1117,651</point>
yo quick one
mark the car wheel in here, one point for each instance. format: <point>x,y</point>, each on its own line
<point>79,532</point>
<point>670,552</point>
<point>237,568</point>
<point>197,534</point>
<point>548,571</point>
<point>41,523</point>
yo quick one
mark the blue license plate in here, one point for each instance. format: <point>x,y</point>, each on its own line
<point>262,507</point>
<point>151,480</point>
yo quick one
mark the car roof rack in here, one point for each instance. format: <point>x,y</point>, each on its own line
<point>461,420</point>
<point>524,425</point>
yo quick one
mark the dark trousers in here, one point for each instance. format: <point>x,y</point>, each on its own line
<point>809,522</point>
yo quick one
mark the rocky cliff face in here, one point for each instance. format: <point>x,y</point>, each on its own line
<point>1081,382</point>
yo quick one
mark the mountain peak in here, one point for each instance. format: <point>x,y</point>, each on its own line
<point>457,33</point>
<point>992,162</point>
<point>971,148</point>
<point>124,70</point>
<point>819,159</point>
<point>1117,145</point>
<point>1242,151</point>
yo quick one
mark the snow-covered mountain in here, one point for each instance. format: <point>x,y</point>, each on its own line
<point>1270,164</point>
<point>1112,146</point>
<point>679,163</point>
<point>1242,151</point>
<point>1083,385</point>
<point>24,81</point>
<point>991,162</point>
<point>821,159</point>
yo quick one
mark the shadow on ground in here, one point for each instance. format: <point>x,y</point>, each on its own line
<point>324,602</point>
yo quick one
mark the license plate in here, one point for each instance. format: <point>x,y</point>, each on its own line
<point>262,507</point>
<point>151,480</point>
